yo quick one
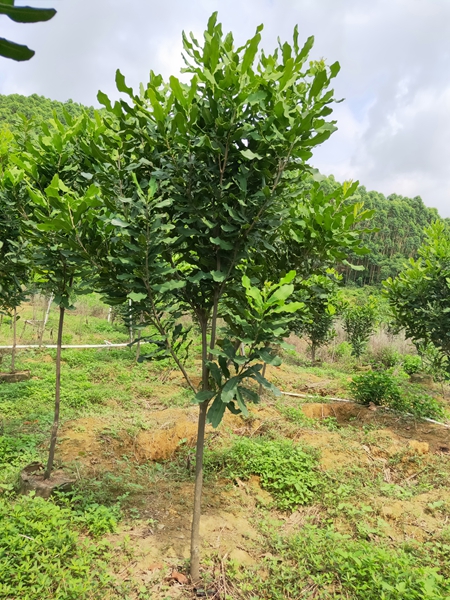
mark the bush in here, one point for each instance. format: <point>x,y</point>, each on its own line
<point>359,324</point>
<point>384,390</point>
<point>380,388</point>
<point>343,350</point>
<point>411,363</point>
<point>385,357</point>
<point>287,471</point>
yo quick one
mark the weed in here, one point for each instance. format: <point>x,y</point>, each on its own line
<point>383,389</point>
<point>286,470</point>
<point>325,564</point>
<point>42,554</point>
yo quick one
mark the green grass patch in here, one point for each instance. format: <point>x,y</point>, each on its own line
<point>289,472</point>
<point>321,563</point>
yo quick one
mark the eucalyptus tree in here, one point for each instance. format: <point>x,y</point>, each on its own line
<point>194,187</point>
<point>21,14</point>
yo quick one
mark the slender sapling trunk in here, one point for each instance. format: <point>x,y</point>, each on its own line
<point>203,409</point>
<point>54,434</point>
<point>13,352</point>
<point>45,319</point>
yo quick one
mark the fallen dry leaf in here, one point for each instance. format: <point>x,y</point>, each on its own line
<point>179,577</point>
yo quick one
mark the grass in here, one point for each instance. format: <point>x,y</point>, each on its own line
<point>348,544</point>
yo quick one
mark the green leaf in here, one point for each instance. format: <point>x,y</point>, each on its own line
<point>178,91</point>
<point>122,86</point>
<point>137,296</point>
<point>263,381</point>
<point>288,277</point>
<point>103,99</point>
<point>241,403</point>
<point>250,155</point>
<point>250,52</point>
<point>168,286</point>
<point>216,412</point>
<point>270,359</point>
<point>229,389</point>
<point>26,14</point>
<point>218,276</point>
<point>221,243</point>
<point>15,51</point>
<point>319,83</point>
<point>204,396</point>
<point>117,222</point>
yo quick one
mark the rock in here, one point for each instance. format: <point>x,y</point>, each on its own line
<point>15,377</point>
<point>416,447</point>
<point>32,480</point>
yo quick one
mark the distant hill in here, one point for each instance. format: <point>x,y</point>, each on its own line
<point>35,106</point>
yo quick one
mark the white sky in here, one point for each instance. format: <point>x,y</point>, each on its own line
<point>394,126</point>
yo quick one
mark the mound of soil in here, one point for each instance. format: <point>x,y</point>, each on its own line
<point>405,428</point>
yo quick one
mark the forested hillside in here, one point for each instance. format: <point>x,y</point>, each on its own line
<point>34,106</point>
<point>400,221</point>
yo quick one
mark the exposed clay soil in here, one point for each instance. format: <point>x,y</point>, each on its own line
<point>159,541</point>
<point>401,429</point>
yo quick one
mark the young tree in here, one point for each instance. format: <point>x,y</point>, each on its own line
<point>319,293</point>
<point>360,319</point>
<point>14,266</point>
<point>420,296</point>
<point>21,14</point>
<point>59,225</point>
<point>195,185</point>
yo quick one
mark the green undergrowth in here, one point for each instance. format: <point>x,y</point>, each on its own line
<point>322,563</point>
<point>384,389</point>
<point>46,551</point>
<point>288,471</point>
<point>15,453</point>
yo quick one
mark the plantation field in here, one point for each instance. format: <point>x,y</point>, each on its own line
<point>304,498</point>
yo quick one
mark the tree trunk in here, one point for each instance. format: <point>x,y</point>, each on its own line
<point>13,352</point>
<point>195,531</point>
<point>131,322</point>
<point>313,352</point>
<point>138,345</point>
<point>54,434</point>
<point>45,319</point>
<point>263,373</point>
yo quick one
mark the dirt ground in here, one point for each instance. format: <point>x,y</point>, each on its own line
<point>157,544</point>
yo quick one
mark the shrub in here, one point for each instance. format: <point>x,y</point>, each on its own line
<point>411,363</point>
<point>377,387</point>
<point>384,390</point>
<point>385,357</point>
<point>359,324</point>
<point>287,471</point>
<point>343,350</point>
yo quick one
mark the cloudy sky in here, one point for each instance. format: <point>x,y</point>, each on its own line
<point>394,126</point>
